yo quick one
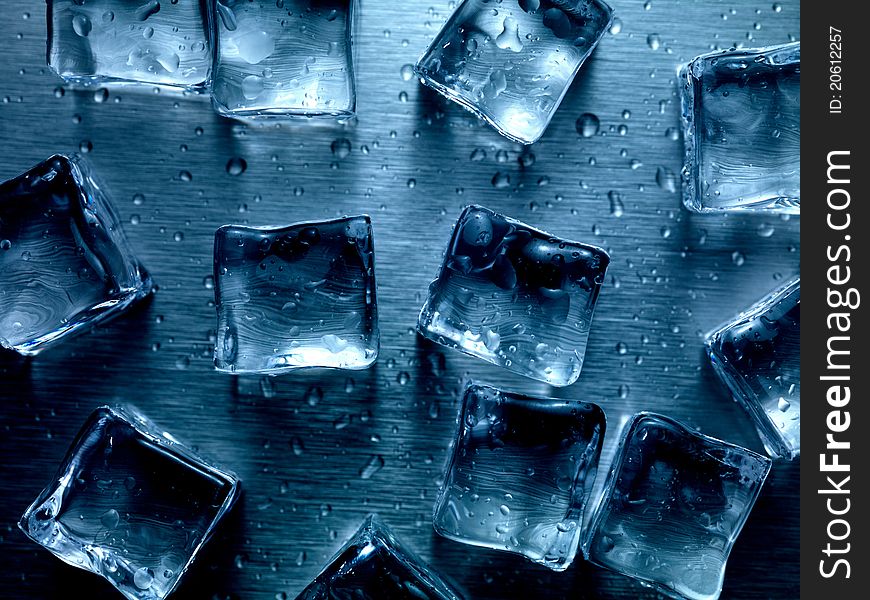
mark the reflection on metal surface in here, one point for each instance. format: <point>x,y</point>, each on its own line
<point>412,161</point>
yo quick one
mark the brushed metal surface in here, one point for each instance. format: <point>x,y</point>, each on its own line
<point>673,276</point>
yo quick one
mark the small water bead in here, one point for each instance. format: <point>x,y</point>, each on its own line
<point>737,258</point>
<point>143,578</point>
<point>81,24</point>
<point>617,208</point>
<point>501,180</point>
<point>314,395</point>
<point>666,179</point>
<point>765,230</point>
<point>654,41</point>
<point>374,464</point>
<point>587,125</point>
<point>407,72</point>
<point>340,148</point>
<point>616,26</point>
<point>236,166</point>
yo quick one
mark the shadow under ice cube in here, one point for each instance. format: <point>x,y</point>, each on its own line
<point>511,62</point>
<point>757,355</point>
<point>741,129</point>
<point>296,296</point>
<point>373,565</point>
<point>515,296</point>
<point>65,264</point>
<point>673,505</point>
<point>131,504</point>
<point>284,59</point>
<point>520,475</point>
<point>145,41</point>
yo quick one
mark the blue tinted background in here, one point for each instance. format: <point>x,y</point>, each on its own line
<point>673,276</point>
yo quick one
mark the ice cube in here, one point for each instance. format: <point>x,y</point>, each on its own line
<point>741,129</point>
<point>130,503</point>
<point>511,63</point>
<point>672,507</point>
<point>145,41</point>
<point>520,474</point>
<point>64,261</point>
<point>288,58</point>
<point>757,355</point>
<point>515,296</point>
<point>296,296</point>
<point>373,565</point>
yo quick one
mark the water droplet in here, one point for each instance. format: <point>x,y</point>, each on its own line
<point>616,26</point>
<point>252,86</point>
<point>587,125</point>
<point>509,38</point>
<point>654,41</point>
<point>148,9</point>
<point>236,166</point>
<point>81,25</point>
<point>617,209</point>
<point>143,578</point>
<point>666,179</point>
<point>297,446</point>
<point>737,258</point>
<point>255,46</point>
<point>501,180</point>
<point>314,395</point>
<point>374,464</point>
<point>110,519</point>
<point>765,230</point>
<point>340,148</point>
<point>407,72</point>
<point>783,404</point>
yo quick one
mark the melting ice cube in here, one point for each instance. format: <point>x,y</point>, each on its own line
<point>296,296</point>
<point>131,504</point>
<point>65,263</point>
<point>520,475</point>
<point>515,296</point>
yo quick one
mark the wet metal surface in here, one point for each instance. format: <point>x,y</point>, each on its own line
<point>301,442</point>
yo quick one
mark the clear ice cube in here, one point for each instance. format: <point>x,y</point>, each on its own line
<point>741,129</point>
<point>373,565</point>
<point>145,41</point>
<point>511,62</point>
<point>757,355</point>
<point>673,505</point>
<point>520,474</point>
<point>130,503</point>
<point>296,296</point>
<point>288,58</point>
<point>515,296</point>
<point>65,263</point>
